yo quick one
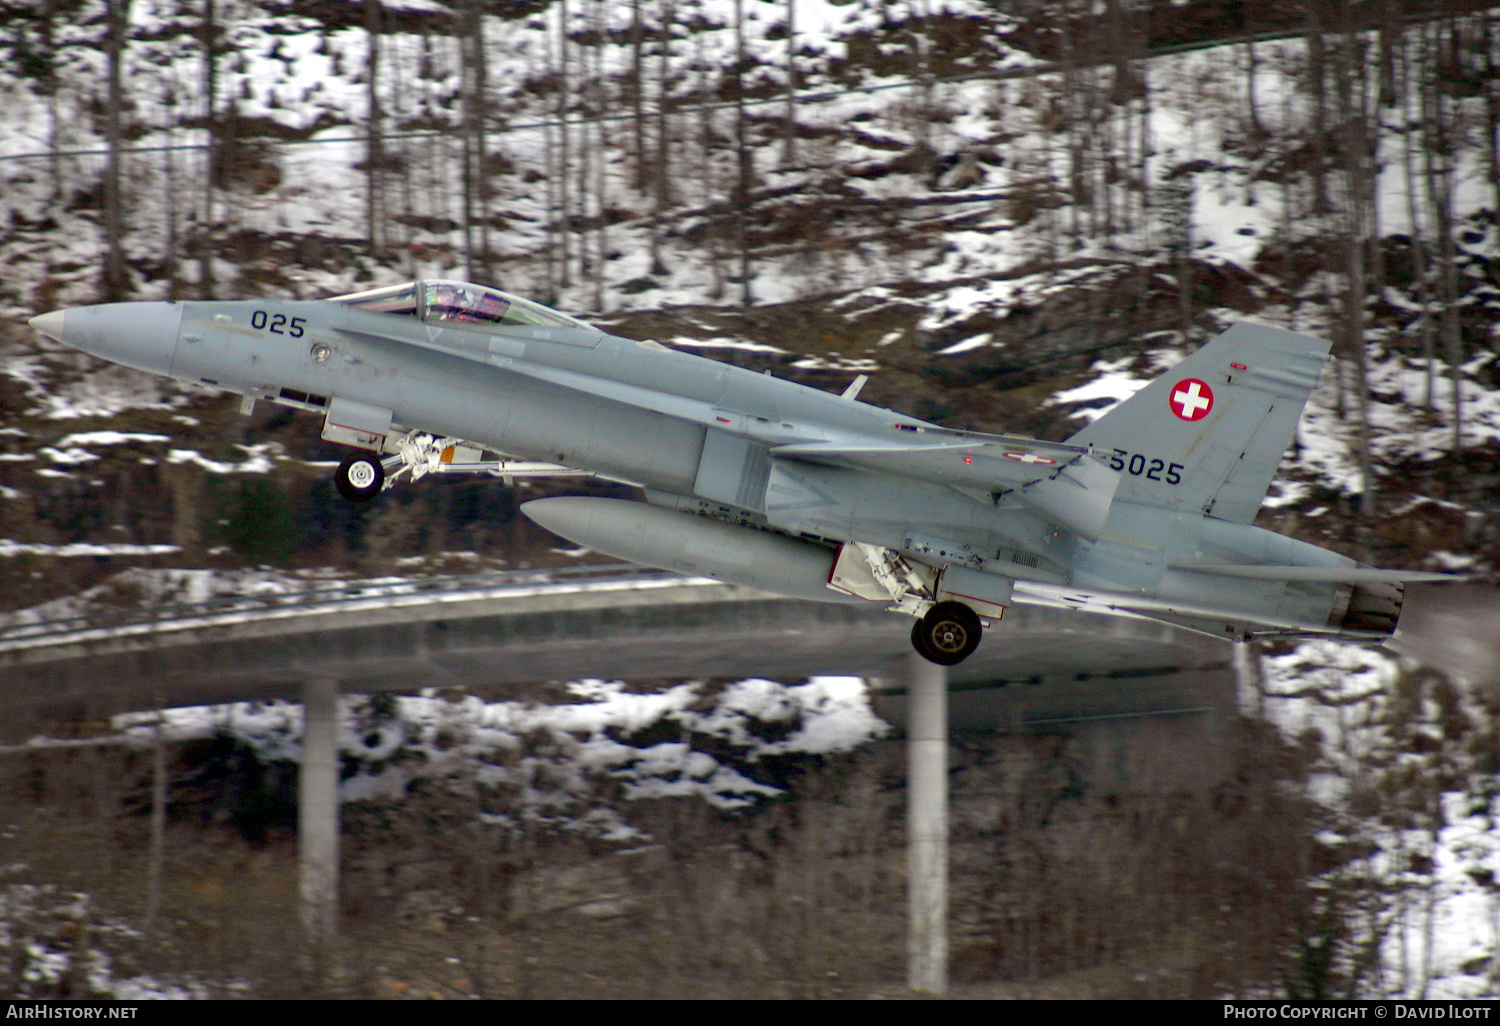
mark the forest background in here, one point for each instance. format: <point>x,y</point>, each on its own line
<point>1010,214</point>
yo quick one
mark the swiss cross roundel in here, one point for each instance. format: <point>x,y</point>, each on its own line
<point>1029,457</point>
<point>1191,399</point>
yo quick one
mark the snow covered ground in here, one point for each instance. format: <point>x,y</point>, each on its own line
<point>1405,771</point>
<point>32,916</point>
<point>564,764</point>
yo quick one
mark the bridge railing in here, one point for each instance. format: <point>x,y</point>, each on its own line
<point>58,630</point>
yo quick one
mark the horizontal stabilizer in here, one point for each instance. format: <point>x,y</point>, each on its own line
<point>1317,574</point>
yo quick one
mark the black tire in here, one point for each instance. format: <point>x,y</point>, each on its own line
<point>949,633</point>
<point>918,642</point>
<point>359,477</point>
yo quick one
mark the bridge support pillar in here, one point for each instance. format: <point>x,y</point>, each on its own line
<point>1249,680</point>
<point>318,811</point>
<point>927,826</point>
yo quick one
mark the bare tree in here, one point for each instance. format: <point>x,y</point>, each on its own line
<point>1316,75</point>
<point>1438,121</point>
<point>1414,92</point>
<point>637,94</point>
<point>789,129</point>
<point>661,174</point>
<point>742,156</point>
<point>1488,23</point>
<point>597,99</point>
<point>473,71</point>
<point>1358,204</point>
<point>212,152</point>
<point>564,165</point>
<point>374,132</point>
<point>115,283</point>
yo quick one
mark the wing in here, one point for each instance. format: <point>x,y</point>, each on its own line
<point>988,462</point>
<point>1061,482</point>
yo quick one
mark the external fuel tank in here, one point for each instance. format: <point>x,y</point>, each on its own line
<point>691,544</point>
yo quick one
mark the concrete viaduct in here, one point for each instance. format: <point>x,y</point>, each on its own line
<point>1039,668</point>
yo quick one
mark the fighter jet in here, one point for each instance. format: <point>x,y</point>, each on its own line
<point>749,479</point>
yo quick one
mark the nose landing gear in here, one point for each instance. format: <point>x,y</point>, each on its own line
<point>363,475</point>
<point>948,634</point>
<point>359,477</point>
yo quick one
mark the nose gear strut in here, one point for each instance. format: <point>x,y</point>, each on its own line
<point>362,476</point>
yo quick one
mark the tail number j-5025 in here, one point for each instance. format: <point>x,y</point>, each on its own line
<point>278,324</point>
<point>1136,465</point>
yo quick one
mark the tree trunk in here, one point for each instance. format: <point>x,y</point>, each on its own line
<point>1252,66</point>
<point>49,82</point>
<point>115,284</point>
<point>156,852</point>
<point>637,87</point>
<point>1439,150</point>
<point>170,200</point>
<point>467,15</point>
<point>1492,105</point>
<point>211,152</point>
<point>922,51</point>
<point>565,169</point>
<point>1316,62</point>
<point>1351,113</point>
<point>374,153</point>
<point>742,153</point>
<point>660,171</point>
<point>1411,88</point>
<point>600,148</point>
<point>789,130</point>
<point>481,110</point>
<point>1071,91</point>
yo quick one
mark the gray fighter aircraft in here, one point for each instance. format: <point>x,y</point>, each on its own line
<point>767,483</point>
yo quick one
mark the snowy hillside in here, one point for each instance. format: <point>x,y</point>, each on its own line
<point>1010,219</point>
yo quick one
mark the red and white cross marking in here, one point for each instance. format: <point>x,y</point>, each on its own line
<point>1029,457</point>
<point>1191,399</point>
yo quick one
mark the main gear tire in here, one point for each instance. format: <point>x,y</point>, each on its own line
<point>360,477</point>
<point>918,642</point>
<point>948,634</point>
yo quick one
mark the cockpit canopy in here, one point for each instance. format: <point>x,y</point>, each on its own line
<point>460,303</point>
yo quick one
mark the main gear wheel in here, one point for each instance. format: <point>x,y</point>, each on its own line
<point>948,634</point>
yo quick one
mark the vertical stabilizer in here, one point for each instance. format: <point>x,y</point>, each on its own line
<point>1208,435</point>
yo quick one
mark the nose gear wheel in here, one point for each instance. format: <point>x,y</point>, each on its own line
<point>359,477</point>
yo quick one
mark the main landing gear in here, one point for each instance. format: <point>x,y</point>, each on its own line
<point>948,634</point>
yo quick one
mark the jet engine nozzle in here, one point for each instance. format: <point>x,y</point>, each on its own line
<point>1368,608</point>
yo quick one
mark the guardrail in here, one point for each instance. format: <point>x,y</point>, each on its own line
<point>322,598</point>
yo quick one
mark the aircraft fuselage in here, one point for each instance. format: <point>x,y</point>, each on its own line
<point>751,450</point>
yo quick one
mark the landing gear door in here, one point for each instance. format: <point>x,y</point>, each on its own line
<point>357,424</point>
<point>733,470</point>
<point>985,593</point>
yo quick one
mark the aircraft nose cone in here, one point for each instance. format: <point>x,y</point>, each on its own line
<point>140,335</point>
<point>50,324</point>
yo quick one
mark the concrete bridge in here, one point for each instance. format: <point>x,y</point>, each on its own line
<point>487,631</point>
<point>1094,676</point>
